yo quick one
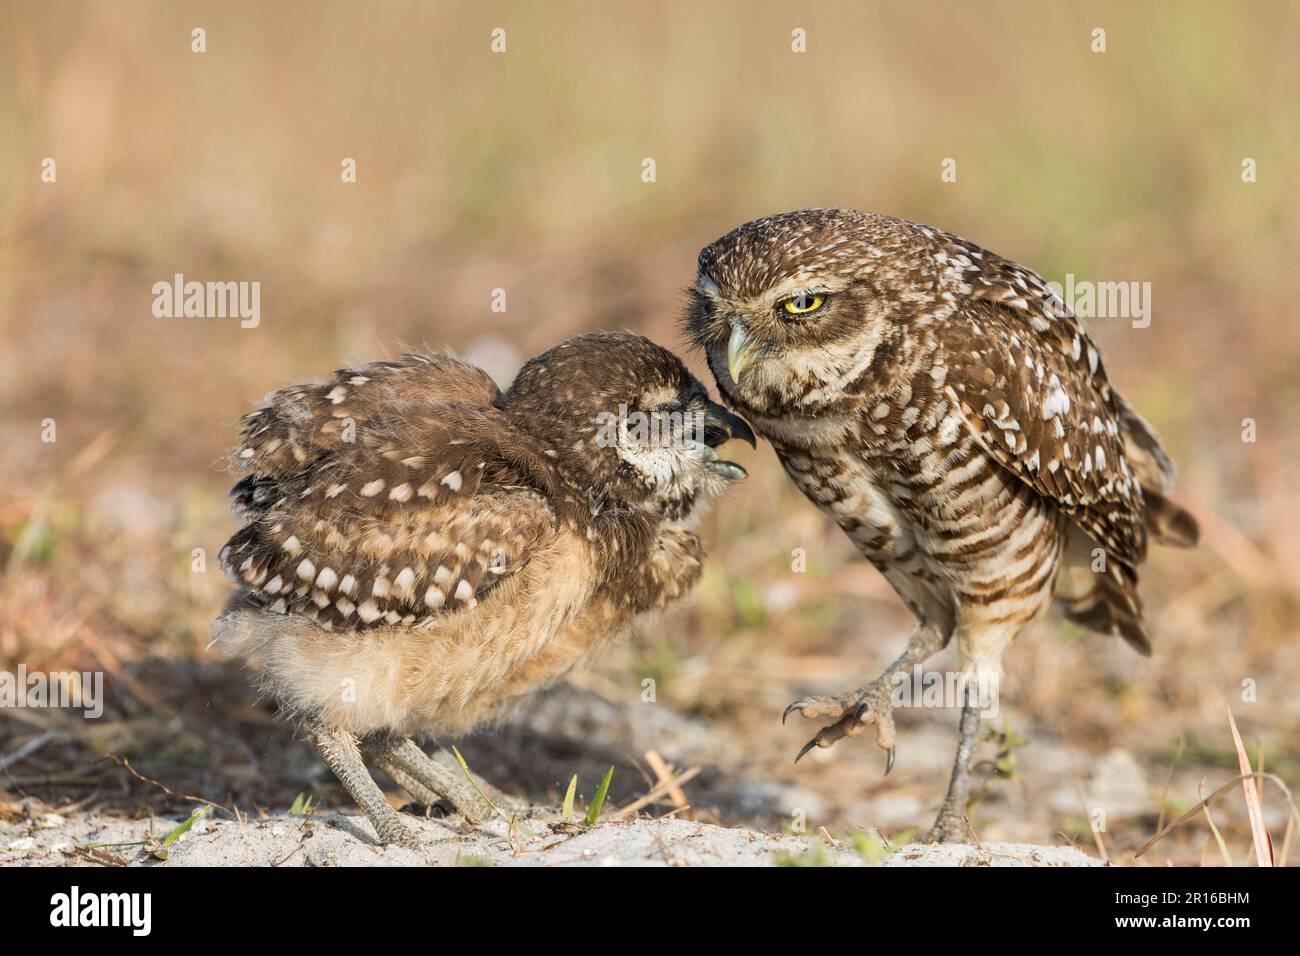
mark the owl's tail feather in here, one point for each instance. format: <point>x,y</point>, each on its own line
<point>1169,523</point>
<point>1106,602</point>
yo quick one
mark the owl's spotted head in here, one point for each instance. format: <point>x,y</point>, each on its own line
<point>791,308</point>
<point>623,419</point>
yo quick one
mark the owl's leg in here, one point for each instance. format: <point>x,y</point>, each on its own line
<point>952,825</point>
<point>871,703</point>
<point>338,748</point>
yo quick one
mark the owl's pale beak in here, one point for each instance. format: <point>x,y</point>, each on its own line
<point>742,352</point>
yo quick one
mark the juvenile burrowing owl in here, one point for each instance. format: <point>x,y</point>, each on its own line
<point>954,417</point>
<point>422,550</point>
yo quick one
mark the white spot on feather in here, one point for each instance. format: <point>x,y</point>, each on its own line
<point>404,580</point>
<point>1058,403</point>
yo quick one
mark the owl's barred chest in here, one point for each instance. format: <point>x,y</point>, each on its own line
<point>895,494</point>
<point>861,491</point>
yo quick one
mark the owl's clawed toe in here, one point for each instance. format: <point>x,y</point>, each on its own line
<point>846,726</point>
<point>813,706</point>
<point>871,704</point>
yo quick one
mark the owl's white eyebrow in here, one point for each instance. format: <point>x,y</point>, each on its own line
<point>706,286</point>
<point>803,285</point>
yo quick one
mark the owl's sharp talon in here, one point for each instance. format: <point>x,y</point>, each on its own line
<point>889,760</point>
<point>804,749</point>
<point>870,704</point>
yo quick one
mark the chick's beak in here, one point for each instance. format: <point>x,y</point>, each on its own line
<point>742,352</point>
<point>721,426</point>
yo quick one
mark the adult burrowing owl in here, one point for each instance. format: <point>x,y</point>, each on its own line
<point>953,416</point>
<point>422,550</point>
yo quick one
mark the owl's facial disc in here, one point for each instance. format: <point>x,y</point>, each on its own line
<point>671,448</point>
<point>746,327</point>
<point>789,343</point>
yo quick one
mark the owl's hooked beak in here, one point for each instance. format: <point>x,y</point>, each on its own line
<point>742,352</point>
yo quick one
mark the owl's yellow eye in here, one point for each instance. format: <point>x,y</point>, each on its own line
<point>803,303</point>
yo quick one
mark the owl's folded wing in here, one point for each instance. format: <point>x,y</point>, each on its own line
<point>1031,385</point>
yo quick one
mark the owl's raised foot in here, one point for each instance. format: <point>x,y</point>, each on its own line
<point>870,704</point>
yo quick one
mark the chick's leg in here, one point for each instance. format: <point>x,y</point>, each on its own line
<point>871,703</point>
<point>417,790</point>
<point>407,764</point>
<point>952,825</point>
<point>338,748</point>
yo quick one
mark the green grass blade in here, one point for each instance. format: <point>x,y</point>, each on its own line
<point>593,811</point>
<point>523,827</point>
<point>301,805</point>
<point>184,828</point>
<point>566,814</point>
<point>1218,838</point>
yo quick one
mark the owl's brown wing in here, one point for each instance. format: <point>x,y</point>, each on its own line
<point>299,424</point>
<point>392,493</point>
<point>1030,383</point>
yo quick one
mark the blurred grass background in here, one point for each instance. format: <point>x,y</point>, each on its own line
<point>522,171</point>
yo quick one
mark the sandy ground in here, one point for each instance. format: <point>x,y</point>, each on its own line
<point>743,807</point>
<point>341,839</point>
<point>545,739</point>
